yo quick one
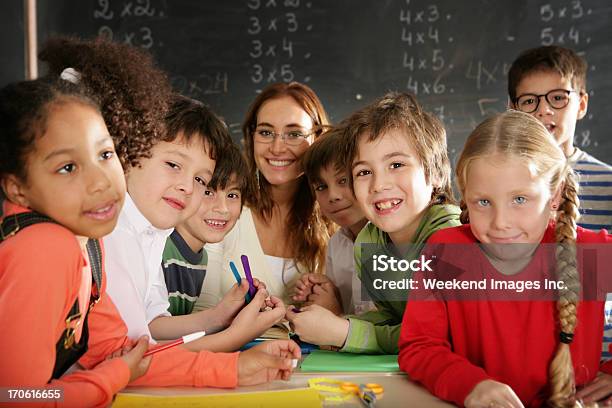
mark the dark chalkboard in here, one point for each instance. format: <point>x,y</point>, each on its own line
<point>454,55</point>
<point>12,64</point>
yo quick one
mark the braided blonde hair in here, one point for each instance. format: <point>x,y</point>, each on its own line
<point>518,134</point>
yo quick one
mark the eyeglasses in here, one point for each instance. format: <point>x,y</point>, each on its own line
<point>291,137</point>
<point>557,99</point>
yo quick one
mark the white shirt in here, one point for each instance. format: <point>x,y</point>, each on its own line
<point>282,269</point>
<point>340,269</point>
<point>135,283</point>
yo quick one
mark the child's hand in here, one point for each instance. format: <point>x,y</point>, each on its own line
<point>138,365</point>
<point>231,303</point>
<point>489,393</point>
<point>317,325</point>
<point>598,390</point>
<point>303,288</point>
<point>268,361</point>
<point>325,294</point>
<point>252,320</point>
<point>120,352</point>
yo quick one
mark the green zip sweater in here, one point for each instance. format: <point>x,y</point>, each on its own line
<point>377,332</point>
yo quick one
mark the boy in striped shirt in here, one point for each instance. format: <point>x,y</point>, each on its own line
<point>550,83</point>
<point>184,259</point>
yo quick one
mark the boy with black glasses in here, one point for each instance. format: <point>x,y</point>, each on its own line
<point>550,83</point>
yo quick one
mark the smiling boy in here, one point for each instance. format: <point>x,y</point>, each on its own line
<point>550,84</point>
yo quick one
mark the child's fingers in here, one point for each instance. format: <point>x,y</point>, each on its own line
<point>259,284</point>
<point>305,279</point>
<point>276,303</point>
<point>594,391</point>
<point>140,347</point>
<point>259,298</point>
<point>317,278</point>
<point>290,313</point>
<point>299,285</point>
<point>243,288</point>
<point>512,400</point>
<point>298,298</point>
<point>319,290</point>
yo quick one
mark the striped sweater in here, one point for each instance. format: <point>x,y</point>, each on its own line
<point>595,193</point>
<point>184,272</point>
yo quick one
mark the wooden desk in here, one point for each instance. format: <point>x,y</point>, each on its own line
<point>399,391</point>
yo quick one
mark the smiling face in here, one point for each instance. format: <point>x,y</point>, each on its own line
<point>561,123</point>
<point>216,216</point>
<point>390,185</point>
<point>336,199</point>
<point>73,173</point>
<point>167,187</point>
<point>507,203</point>
<point>277,161</point>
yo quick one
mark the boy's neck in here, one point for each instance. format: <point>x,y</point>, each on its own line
<point>568,148</point>
<point>356,228</point>
<point>406,236</point>
<point>192,242</point>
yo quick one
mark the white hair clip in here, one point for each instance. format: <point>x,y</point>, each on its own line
<point>71,75</point>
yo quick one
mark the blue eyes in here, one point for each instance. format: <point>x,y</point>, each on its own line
<point>516,200</point>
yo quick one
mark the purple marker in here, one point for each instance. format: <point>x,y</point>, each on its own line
<point>247,272</point>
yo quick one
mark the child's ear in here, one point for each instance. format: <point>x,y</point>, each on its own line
<point>14,189</point>
<point>555,200</point>
<point>510,103</point>
<point>583,105</point>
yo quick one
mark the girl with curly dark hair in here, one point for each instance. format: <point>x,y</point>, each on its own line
<point>134,94</point>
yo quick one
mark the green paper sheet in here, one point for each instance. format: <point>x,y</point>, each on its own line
<point>322,360</point>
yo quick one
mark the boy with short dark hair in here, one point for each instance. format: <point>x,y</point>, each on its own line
<point>184,259</point>
<point>339,290</point>
<point>550,84</point>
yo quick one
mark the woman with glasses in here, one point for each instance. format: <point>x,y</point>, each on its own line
<point>280,229</point>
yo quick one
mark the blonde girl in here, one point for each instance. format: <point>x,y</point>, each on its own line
<point>517,188</point>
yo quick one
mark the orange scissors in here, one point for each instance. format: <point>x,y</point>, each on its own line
<point>368,393</point>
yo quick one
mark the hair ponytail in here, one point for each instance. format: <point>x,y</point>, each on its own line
<point>561,371</point>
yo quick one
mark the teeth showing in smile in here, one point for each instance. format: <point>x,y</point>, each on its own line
<point>385,205</point>
<point>216,223</point>
<point>280,163</point>
<point>102,210</point>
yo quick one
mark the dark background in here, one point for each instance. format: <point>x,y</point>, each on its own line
<point>454,55</point>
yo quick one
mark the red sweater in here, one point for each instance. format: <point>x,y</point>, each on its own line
<point>40,276</point>
<point>451,345</point>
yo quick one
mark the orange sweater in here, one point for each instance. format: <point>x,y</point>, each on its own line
<point>40,276</point>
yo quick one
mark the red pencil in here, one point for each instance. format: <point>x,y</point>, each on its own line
<point>177,342</point>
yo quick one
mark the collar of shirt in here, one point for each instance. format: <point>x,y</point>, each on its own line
<point>138,221</point>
